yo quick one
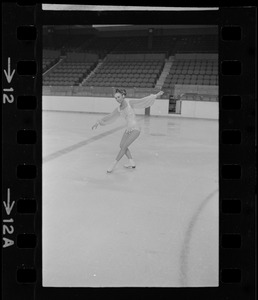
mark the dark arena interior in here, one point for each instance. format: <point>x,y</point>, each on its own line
<point>91,61</point>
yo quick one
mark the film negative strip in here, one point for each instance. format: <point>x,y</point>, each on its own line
<point>22,188</point>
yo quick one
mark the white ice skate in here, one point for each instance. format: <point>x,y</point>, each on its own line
<point>129,167</point>
<point>131,164</point>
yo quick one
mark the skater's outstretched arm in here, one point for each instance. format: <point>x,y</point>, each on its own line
<point>146,101</point>
<point>110,118</point>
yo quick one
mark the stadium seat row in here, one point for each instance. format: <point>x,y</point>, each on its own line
<point>142,75</point>
<point>68,70</point>
<point>128,72</point>
<point>71,72</point>
<point>122,83</point>
<point>192,71</point>
<point>149,66</point>
<point>190,82</point>
<point>48,63</point>
<point>139,72</point>
<point>56,76</point>
<point>193,67</point>
<point>133,63</point>
<point>124,79</point>
<point>195,72</point>
<point>199,77</point>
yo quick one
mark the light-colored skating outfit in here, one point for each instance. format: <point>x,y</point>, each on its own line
<point>128,113</point>
<point>132,129</point>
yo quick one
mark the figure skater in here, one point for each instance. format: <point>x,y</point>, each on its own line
<point>126,110</point>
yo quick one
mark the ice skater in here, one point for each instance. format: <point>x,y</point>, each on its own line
<point>126,110</point>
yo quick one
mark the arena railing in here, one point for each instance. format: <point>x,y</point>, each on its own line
<point>108,92</point>
<point>196,97</point>
<point>91,91</point>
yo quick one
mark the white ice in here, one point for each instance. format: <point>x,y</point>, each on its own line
<point>156,225</point>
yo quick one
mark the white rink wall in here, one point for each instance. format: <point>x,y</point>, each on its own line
<point>81,104</point>
<point>190,109</point>
<point>200,109</point>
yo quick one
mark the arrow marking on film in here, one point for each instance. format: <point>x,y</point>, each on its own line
<point>8,206</point>
<point>9,74</point>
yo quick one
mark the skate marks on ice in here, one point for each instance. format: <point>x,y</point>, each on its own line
<point>184,257</point>
<point>83,143</point>
<point>80,144</point>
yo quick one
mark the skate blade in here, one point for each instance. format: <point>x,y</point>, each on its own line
<point>130,167</point>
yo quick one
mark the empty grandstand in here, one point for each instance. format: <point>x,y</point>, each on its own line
<point>140,60</point>
<point>72,70</point>
<point>50,58</point>
<point>193,69</point>
<point>128,70</point>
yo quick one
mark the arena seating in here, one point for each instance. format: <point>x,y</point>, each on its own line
<point>128,71</point>
<point>197,71</point>
<point>72,70</point>
<point>128,62</point>
<point>50,57</point>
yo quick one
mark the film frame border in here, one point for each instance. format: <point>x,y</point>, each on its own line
<point>236,170</point>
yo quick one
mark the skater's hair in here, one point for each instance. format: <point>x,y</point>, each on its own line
<point>121,91</point>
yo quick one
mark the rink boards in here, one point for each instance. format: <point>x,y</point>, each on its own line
<point>190,109</point>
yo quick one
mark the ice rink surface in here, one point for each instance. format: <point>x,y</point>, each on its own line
<point>153,226</point>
